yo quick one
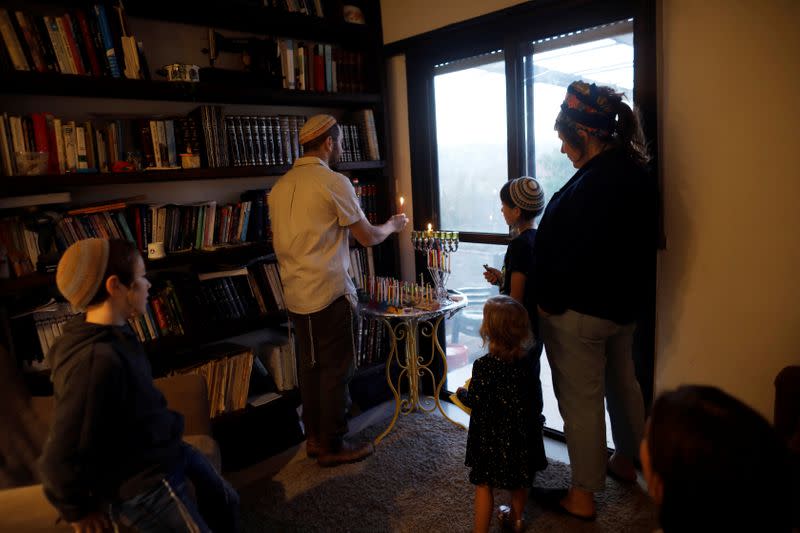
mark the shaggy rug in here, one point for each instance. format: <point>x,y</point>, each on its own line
<point>415,482</point>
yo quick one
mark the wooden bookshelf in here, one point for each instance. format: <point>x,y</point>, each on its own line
<point>178,352</point>
<point>233,254</point>
<point>261,20</point>
<point>56,84</point>
<point>16,185</point>
<point>173,352</point>
<point>17,286</point>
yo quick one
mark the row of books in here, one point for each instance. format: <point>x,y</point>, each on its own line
<point>163,316</point>
<point>282,365</point>
<point>264,140</point>
<point>96,145</point>
<point>245,292</point>
<point>321,67</point>
<point>91,42</point>
<point>227,295</point>
<point>371,341</point>
<point>49,322</point>
<point>19,248</point>
<point>361,267</point>
<point>368,198</point>
<point>204,226</point>
<point>156,142</point>
<point>227,379</point>
<point>266,279</point>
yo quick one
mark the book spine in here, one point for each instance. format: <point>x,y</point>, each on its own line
<point>12,42</point>
<point>108,43</point>
<point>62,56</point>
<point>88,43</point>
<point>80,148</point>
<point>68,43</point>
<point>75,40</point>
<point>29,35</point>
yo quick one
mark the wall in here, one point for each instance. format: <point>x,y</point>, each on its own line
<point>728,294</point>
<point>728,310</point>
<point>405,18</point>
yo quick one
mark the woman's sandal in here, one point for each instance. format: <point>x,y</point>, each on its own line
<point>507,523</point>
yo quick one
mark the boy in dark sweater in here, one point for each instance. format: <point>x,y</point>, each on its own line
<point>114,452</point>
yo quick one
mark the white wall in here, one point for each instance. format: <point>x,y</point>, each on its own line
<point>405,18</point>
<point>729,282</point>
<point>729,294</point>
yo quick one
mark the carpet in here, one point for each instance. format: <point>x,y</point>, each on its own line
<point>415,482</point>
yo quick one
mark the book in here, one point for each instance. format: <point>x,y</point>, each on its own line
<point>108,42</point>
<point>458,403</point>
<point>108,205</point>
<point>11,41</point>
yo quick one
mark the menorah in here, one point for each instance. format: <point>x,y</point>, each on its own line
<point>437,245</point>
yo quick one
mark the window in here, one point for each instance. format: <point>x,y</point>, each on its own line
<point>485,95</point>
<point>471,142</point>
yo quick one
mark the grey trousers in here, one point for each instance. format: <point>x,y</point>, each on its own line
<point>325,349</point>
<point>591,359</point>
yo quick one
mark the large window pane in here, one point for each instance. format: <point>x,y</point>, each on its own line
<point>471,139</point>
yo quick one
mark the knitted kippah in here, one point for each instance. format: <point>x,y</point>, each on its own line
<point>527,194</point>
<point>315,126</point>
<point>80,271</point>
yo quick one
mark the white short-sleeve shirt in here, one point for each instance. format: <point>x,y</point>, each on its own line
<point>310,208</point>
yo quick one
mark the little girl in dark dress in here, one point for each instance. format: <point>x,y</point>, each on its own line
<point>502,445</point>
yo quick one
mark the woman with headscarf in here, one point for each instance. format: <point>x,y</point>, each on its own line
<point>594,254</point>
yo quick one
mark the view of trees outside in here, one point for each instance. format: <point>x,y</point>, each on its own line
<point>472,146</point>
<point>473,164</point>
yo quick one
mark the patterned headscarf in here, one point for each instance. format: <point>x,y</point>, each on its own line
<point>586,107</point>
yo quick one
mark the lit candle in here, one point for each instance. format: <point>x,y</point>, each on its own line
<point>430,228</point>
<point>402,202</point>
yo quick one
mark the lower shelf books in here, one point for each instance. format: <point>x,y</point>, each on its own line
<point>49,321</point>
<point>372,341</point>
<point>282,366</point>
<point>227,378</point>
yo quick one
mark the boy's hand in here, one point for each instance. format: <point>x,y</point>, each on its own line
<point>492,275</point>
<point>91,523</point>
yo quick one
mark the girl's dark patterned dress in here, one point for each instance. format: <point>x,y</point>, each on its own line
<point>504,446</point>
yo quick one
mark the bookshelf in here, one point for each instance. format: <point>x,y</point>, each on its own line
<point>56,84</point>
<point>15,185</point>
<point>24,92</point>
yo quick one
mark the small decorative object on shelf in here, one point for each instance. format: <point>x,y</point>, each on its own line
<point>155,250</point>
<point>353,14</point>
<point>32,163</point>
<point>181,72</point>
<point>437,245</point>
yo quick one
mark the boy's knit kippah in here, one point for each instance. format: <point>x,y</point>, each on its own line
<point>315,126</point>
<point>527,194</point>
<point>80,271</point>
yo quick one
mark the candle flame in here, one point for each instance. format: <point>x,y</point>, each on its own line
<point>402,201</point>
<point>430,226</point>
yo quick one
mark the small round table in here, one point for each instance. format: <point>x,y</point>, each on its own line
<point>413,364</point>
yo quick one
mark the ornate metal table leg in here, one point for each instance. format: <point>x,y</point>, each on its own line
<point>412,367</point>
<point>394,334</point>
<point>437,347</point>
